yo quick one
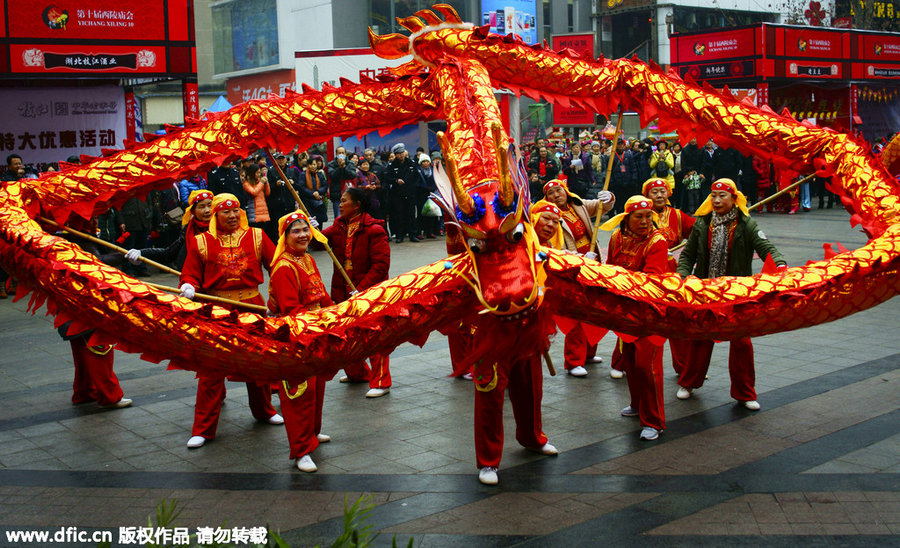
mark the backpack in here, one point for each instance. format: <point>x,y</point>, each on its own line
<point>662,168</point>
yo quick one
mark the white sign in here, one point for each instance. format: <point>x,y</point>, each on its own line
<point>51,124</point>
<point>314,71</point>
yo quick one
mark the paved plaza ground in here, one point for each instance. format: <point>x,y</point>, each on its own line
<point>819,465</point>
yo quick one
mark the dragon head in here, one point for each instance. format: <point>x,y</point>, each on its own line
<point>496,232</point>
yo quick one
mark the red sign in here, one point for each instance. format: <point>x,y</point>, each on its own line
<point>725,69</point>
<point>882,71</point>
<point>812,43</point>
<point>190,99</point>
<point>880,47</point>
<point>582,43</point>
<point>88,19</point>
<point>86,59</point>
<point>762,94</point>
<point>130,131</point>
<point>259,86</point>
<point>714,45</point>
<point>854,100</point>
<point>572,115</point>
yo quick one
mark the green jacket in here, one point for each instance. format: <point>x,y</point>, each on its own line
<point>747,238</point>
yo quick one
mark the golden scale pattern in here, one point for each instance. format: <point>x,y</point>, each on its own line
<point>77,286</point>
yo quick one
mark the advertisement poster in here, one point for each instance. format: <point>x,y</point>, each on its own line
<point>714,45</point>
<point>88,19</point>
<point>572,115</point>
<point>315,68</point>
<point>51,124</point>
<point>259,86</point>
<point>511,17</point>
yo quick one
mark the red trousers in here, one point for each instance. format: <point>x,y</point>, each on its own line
<point>379,376</point>
<point>681,353</point>
<point>577,349</point>
<point>211,394</point>
<point>303,416</point>
<point>94,375</point>
<point>524,379</point>
<point>642,363</point>
<point>740,367</point>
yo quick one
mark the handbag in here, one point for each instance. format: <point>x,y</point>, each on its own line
<point>431,209</point>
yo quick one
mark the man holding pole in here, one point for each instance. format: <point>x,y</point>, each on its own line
<point>226,261</point>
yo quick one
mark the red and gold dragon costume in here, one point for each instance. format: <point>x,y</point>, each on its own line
<point>482,187</point>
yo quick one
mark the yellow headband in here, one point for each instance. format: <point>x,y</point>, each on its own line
<point>284,223</point>
<point>541,206</point>
<point>221,202</point>
<point>196,196</point>
<point>740,201</point>
<point>635,203</point>
<point>654,182</point>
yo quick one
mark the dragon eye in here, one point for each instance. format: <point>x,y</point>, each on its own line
<point>516,234</point>
<point>476,245</point>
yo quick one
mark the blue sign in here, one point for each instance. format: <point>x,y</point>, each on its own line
<point>511,17</point>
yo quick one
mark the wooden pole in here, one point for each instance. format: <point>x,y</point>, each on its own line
<point>200,296</point>
<point>104,243</point>
<point>763,202</point>
<point>287,182</point>
<point>549,362</point>
<point>609,168</point>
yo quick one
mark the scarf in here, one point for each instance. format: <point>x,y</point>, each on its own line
<point>309,182</point>
<point>718,246</point>
<point>595,162</point>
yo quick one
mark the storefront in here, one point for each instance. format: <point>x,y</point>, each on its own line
<point>845,79</point>
<point>69,72</point>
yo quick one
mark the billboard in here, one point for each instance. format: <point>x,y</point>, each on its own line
<point>98,38</point>
<point>572,115</point>
<point>711,46</point>
<point>259,86</point>
<point>517,17</point>
<point>315,68</point>
<point>51,124</point>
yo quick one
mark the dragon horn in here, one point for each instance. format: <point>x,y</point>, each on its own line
<point>506,185</point>
<point>411,23</point>
<point>389,46</point>
<point>448,12</point>
<point>463,200</point>
<point>429,17</point>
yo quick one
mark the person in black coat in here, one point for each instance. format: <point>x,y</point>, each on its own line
<point>226,180</point>
<point>400,177</point>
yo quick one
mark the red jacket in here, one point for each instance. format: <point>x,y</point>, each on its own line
<point>370,254</point>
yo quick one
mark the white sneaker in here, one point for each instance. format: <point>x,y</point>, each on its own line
<point>752,405</point>
<point>615,373</point>
<point>594,359</point>
<point>124,402</point>
<point>323,438</point>
<point>275,419</point>
<point>306,464</point>
<point>683,393</point>
<point>345,378</point>
<point>629,412</point>
<point>488,476</point>
<point>195,442</point>
<point>548,449</point>
<point>467,376</point>
<point>578,372</point>
<point>649,434</point>
<point>377,392</point>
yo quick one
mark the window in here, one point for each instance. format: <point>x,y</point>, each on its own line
<point>245,35</point>
<point>383,13</point>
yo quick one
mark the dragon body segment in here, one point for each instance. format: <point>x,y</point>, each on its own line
<point>483,193</point>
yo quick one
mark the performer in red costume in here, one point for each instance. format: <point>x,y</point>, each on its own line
<point>547,221</point>
<point>577,230</point>
<point>296,286</point>
<point>227,261</point>
<point>638,246</point>
<point>722,243</point>
<point>360,243</point>
<point>675,226</point>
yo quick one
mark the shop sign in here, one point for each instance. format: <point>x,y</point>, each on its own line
<point>50,124</point>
